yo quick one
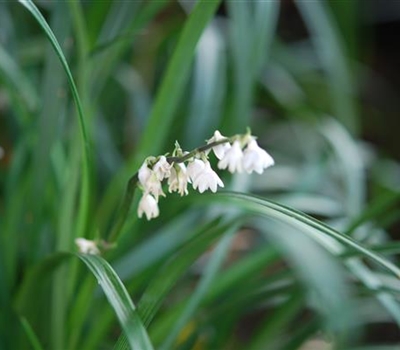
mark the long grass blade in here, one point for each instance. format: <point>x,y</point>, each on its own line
<point>206,281</point>
<point>275,210</point>
<point>120,301</point>
<point>176,76</point>
<point>331,50</point>
<point>30,333</point>
<point>86,145</point>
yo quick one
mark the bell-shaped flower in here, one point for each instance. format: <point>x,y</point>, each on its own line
<point>86,246</point>
<point>194,168</point>
<point>148,206</point>
<point>255,158</point>
<point>153,186</point>
<point>178,179</point>
<point>162,168</point>
<point>221,149</point>
<point>149,181</point>
<point>144,174</point>
<point>232,159</point>
<point>206,179</point>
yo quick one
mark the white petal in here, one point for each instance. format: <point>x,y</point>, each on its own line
<point>162,168</point>
<point>195,168</point>
<point>232,159</point>
<point>144,174</point>
<point>255,158</point>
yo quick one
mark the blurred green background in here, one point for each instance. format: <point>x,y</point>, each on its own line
<point>318,82</point>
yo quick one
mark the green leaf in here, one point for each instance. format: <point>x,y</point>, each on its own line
<point>175,268</point>
<point>109,281</point>
<point>274,210</point>
<point>87,161</point>
<point>327,41</point>
<point>175,78</point>
<point>17,81</point>
<point>33,339</point>
<point>119,299</point>
<point>275,324</point>
<point>210,274</point>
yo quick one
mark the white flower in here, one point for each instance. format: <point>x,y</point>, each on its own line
<point>149,181</point>
<point>232,159</point>
<point>255,158</point>
<point>194,168</point>
<point>86,246</point>
<point>178,179</point>
<point>206,179</point>
<point>144,174</point>
<point>219,150</point>
<point>148,206</point>
<point>162,168</point>
<point>153,186</point>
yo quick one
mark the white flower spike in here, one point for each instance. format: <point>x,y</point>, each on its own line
<point>148,206</point>
<point>207,179</point>
<point>219,150</point>
<point>255,158</point>
<point>232,159</point>
<point>86,246</point>
<point>178,179</point>
<point>198,170</point>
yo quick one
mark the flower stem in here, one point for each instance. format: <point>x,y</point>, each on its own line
<point>197,150</point>
<point>123,212</point>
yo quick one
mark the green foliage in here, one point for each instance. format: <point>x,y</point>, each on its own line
<point>89,89</point>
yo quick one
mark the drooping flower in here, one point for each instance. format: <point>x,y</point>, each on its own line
<point>153,186</point>
<point>178,179</point>
<point>150,181</point>
<point>219,150</point>
<point>194,168</point>
<point>255,158</point>
<point>144,174</point>
<point>86,246</point>
<point>148,206</point>
<point>207,179</point>
<point>162,168</point>
<point>232,158</point>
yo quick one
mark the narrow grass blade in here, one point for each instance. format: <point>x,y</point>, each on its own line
<point>17,81</point>
<point>176,76</point>
<point>30,333</point>
<point>87,161</point>
<point>110,283</point>
<point>208,86</point>
<point>327,41</point>
<point>171,272</point>
<point>274,210</point>
<point>274,325</point>
<point>351,163</point>
<point>242,271</point>
<point>120,301</point>
<point>252,27</point>
<point>204,284</point>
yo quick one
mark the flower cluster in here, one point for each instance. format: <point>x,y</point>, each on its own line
<point>237,154</point>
